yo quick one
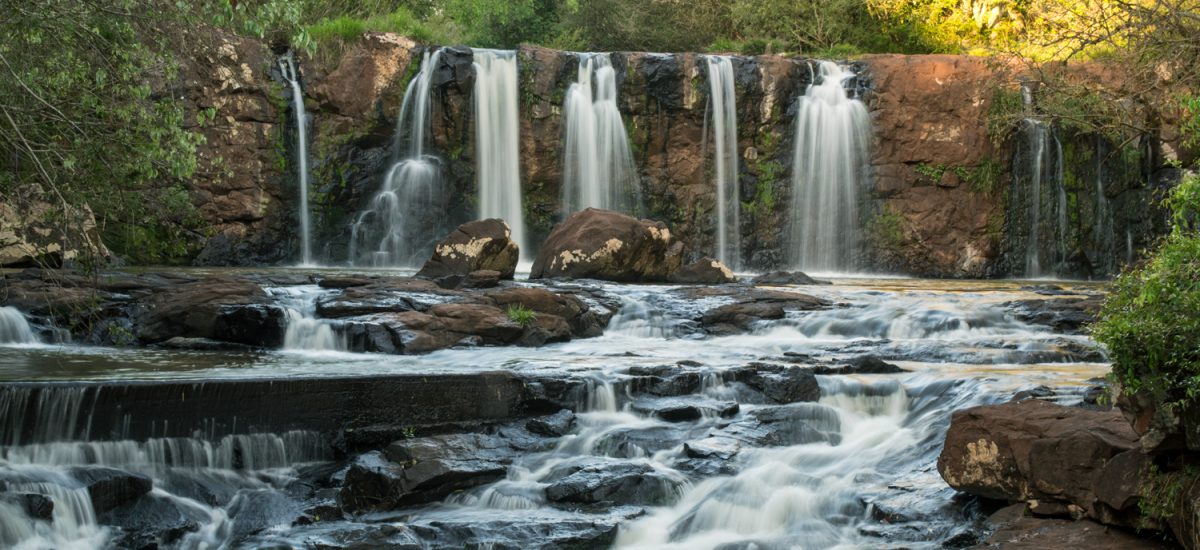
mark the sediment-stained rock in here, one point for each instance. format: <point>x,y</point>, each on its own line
<point>474,246</point>
<point>602,244</point>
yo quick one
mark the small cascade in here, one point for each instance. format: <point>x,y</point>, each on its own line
<point>14,329</point>
<point>829,161</point>
<point>722,110</point>
<point>398,228</point>
<point>497,169</point>
<point>640,319</point>
<point>305,332</point>
<point>1039,199</point>
<point>598,165</point>
<point>287,66</point>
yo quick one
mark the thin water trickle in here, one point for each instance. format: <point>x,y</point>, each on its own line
<point>598,166</point>
<point>829,161</point>
<point>287,66</point>
<point>497,161</point>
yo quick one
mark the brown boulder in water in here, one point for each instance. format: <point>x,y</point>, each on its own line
<point>602,244</point>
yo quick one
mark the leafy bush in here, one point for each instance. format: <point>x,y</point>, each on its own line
<point>349,28</point>
<point>1149,322</point>
<point>521,315</point>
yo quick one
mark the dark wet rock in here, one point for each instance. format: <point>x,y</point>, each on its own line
<point>219,308</point>
<point>254,511</point>
<point>752,306</point>
<point>1063,315</point>
<point>482,278</point>
<point>344,281</point>
<point>865,364</point>
<point>607,245</point>
<point>152,521</point>
<point>636,442</point>
<point>705,271</point>
<point>685,409</point>
<point>1053,534</point>
<point>583,321</point>
<point>367,536</point>
<point>1034,450</point>
<point>722,448</point>
<point>1097,398</point>
<point>779,383</point>
<point>555,425</point>
<point>615,482</point>
<point>386,296</point>
<point>34,505</point>
<point>203,344</point>
<point>110,487</point>
<point>474,246</point>
<point>214,488</point>
<point>781,278</point>
<point>1036,392</point>
<point>786,425</point>
<point>550,530</point>
<point>1048,290</point>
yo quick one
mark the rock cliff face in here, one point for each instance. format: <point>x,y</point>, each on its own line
<point>936,202</point>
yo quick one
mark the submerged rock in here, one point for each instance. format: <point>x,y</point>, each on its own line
<point>474,246</point>
<point>602,244</point>
<point>614,482</point>
<point>110,487</point>
<point>781,278</point>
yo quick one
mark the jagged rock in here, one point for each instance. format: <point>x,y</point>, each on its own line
<point>613,482</point>
<point>1034,450</point>
<point>786,425</point>
<point>685,409</point>
<point>1063,315</point>
<point>34,505</point>
<point>109,487</point>
<point>482,278</point>
<point>705,271</point>
<point>602,244</point>
<point>780,384</point>
<point>474,246</point>
<point>555,425</point>
<point>781,278</point>
<point>152,521</point>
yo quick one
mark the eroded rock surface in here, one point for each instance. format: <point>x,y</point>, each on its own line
<point>607,245</point>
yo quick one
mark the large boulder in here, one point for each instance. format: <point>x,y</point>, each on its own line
<point>1062,460</point>
<point>426,469</point>
<point>225,309</point>
<point>36,232</point>
<point>474,246</point>
<point>602,244</point>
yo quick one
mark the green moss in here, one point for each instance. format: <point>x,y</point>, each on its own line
<point>985,178</point>
<point>886,229</point>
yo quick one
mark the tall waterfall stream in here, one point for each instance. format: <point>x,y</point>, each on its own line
<point>745,472</point>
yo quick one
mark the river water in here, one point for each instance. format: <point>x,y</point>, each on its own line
<point>854,469</point>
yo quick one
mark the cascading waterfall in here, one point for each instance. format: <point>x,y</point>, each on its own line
<point>306,332</point>
<point>829,160</point>
<point>598,165</point>
<point>497,169</point>
<point>1039,199</point>
<point>287,67</point>
<point>722,110</point>
<point>14,329</point>
<point>412,199</point>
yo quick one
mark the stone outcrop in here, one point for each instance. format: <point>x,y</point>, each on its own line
<point>474,246</point>
<point>228,310</point>
<point>705,271</point>
<point>1063,461</point>
<point>29,236</point>
<point>602,244</point>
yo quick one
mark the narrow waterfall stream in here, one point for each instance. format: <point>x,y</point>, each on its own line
<point>598,164</point>
<point>829,162</point>
<point>305,332</point>
<point>287,67</point>
<point>722,109</point>
<point>402,221</point>
<point>497,161</point>
<point>1039,200</point>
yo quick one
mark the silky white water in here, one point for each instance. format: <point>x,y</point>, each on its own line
<point>400,228</point>
<point>828,164</point>
<point>306,332</point>
<point>14,328</point>
<point>722,109</point>
<point>287,66</point>
<point>1042,193</point>
<point>497,162</point>
<point>598,166</point>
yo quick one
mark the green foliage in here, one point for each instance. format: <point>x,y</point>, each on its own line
<point>1160,493</point>
<point>277,21</point>
<point>933,173</point>
<point>521,315</point>
<point>1149,321</point>
<point>348,28</point>
<point>985,178</point>
<point>83,126</point>
<point>504,23</point>
<point>887,228</point>
<point>1191,120</point>
<point>1005,109</point>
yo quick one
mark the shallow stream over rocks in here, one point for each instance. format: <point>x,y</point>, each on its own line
<point>813,425</point>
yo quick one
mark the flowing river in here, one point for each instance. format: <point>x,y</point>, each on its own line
<point>855,468</point>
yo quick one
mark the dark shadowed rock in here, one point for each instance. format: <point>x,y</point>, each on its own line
<point>786,425</point>
<point>1034,450</point>
<point>782,278</point>
<point>218,308</point>
<point>705,271</point>
<point>152,521</point>
<point>34,505</point>
<point>685,409</point>
<point>1034,533</point>
<point>482,278</point>
<point>602,244</point>
<point>613,482</point>
<point>473,246</point>
<point>781,384</point>
<point>1064,315</point>
<point>555,425</point>
<point>866,364</point>
<point>109,487</point>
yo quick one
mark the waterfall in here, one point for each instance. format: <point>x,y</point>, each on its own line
<point>723,111</point>
<point>306,332</point>
<point>1039,199</point>
<point>598,167</point>
<point>14,329</point>
<point>497,165</point>
<point>287,66</point>
<point>829,159</point>
<point>411,201</point>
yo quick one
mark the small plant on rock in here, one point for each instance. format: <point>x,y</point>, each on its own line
<point>521,315</point>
